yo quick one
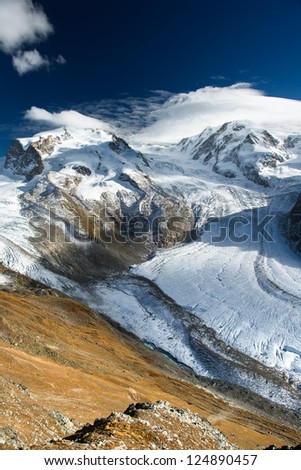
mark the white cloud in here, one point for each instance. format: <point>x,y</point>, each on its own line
<point>60,60</point>
<point>66,118</point>
<point>22,23</point>
<point>29,61</point>
<point>187,114</point>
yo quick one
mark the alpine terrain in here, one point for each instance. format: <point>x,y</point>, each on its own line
<point>179,262</point>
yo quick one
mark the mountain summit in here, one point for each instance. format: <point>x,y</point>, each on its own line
<point>234,147</point>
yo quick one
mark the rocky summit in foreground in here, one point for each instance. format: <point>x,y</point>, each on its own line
<point>147,426</point>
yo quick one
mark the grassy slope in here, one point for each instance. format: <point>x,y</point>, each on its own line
<point>57,354</point>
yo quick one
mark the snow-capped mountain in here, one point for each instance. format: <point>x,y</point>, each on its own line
<point>293,143</point>
<point>188,245</point>
<point>235,147</point>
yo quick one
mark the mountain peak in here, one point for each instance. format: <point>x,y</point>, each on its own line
<point>235,148</point>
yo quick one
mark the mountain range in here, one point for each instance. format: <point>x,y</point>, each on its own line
<point>192,248</point>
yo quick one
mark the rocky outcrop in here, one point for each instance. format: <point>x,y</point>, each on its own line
<point>273,447</point>
<point>293,142</point>
<point>28,161</point>
<point>294,225</point>
<point>24,162</point>
<point>150,426</point>
<point>82,170</point>
<point>118,145</point>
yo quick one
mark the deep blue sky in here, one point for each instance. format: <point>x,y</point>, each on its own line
<point>115,47</point>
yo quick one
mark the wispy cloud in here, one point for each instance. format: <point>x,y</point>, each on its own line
<point>65,118</point>
<point>28,61</point>
<point>24,23</point>
<point>128,114</point>
<point>218,77</point>
<point>60,60</point>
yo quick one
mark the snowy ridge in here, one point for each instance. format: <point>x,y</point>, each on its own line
<point>235,147</point>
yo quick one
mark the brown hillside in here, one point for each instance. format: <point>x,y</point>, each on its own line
<point>62,365</point>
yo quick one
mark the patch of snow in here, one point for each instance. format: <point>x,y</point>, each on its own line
<point>5,280</point>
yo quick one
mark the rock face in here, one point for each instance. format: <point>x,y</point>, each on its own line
<point>23,162</point>
<point>235,147</point>
<point>294,224</point>
<point>293,142</point>
<point>149,426</point>
<point>82,170</point>
<point>118,145</point>
<point>28,160</point>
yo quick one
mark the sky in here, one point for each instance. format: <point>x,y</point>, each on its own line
<point>121,60</point>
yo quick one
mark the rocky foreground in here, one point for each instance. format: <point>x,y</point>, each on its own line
<point>63,366</point>
<point>147,426</point>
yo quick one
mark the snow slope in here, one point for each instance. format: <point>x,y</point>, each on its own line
<point>15,230</point>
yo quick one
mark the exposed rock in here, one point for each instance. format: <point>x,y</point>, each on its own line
<point>150,426</point>
<point>137,180</point>
<point>23,162</point>
<point>273,447</point>
<point>9,439</point>
<point>46,145</point>
<point>294,224</point>
<point>235,145</point>
<point>14,153</point>
<point>118,145</point>
<point>28,161</point>
<point>82,170</point>
<point>293,142</point>
<point>63,421</point>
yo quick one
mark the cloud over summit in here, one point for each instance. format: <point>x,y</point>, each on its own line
<point>187,114</point>
<point>65,118</point>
